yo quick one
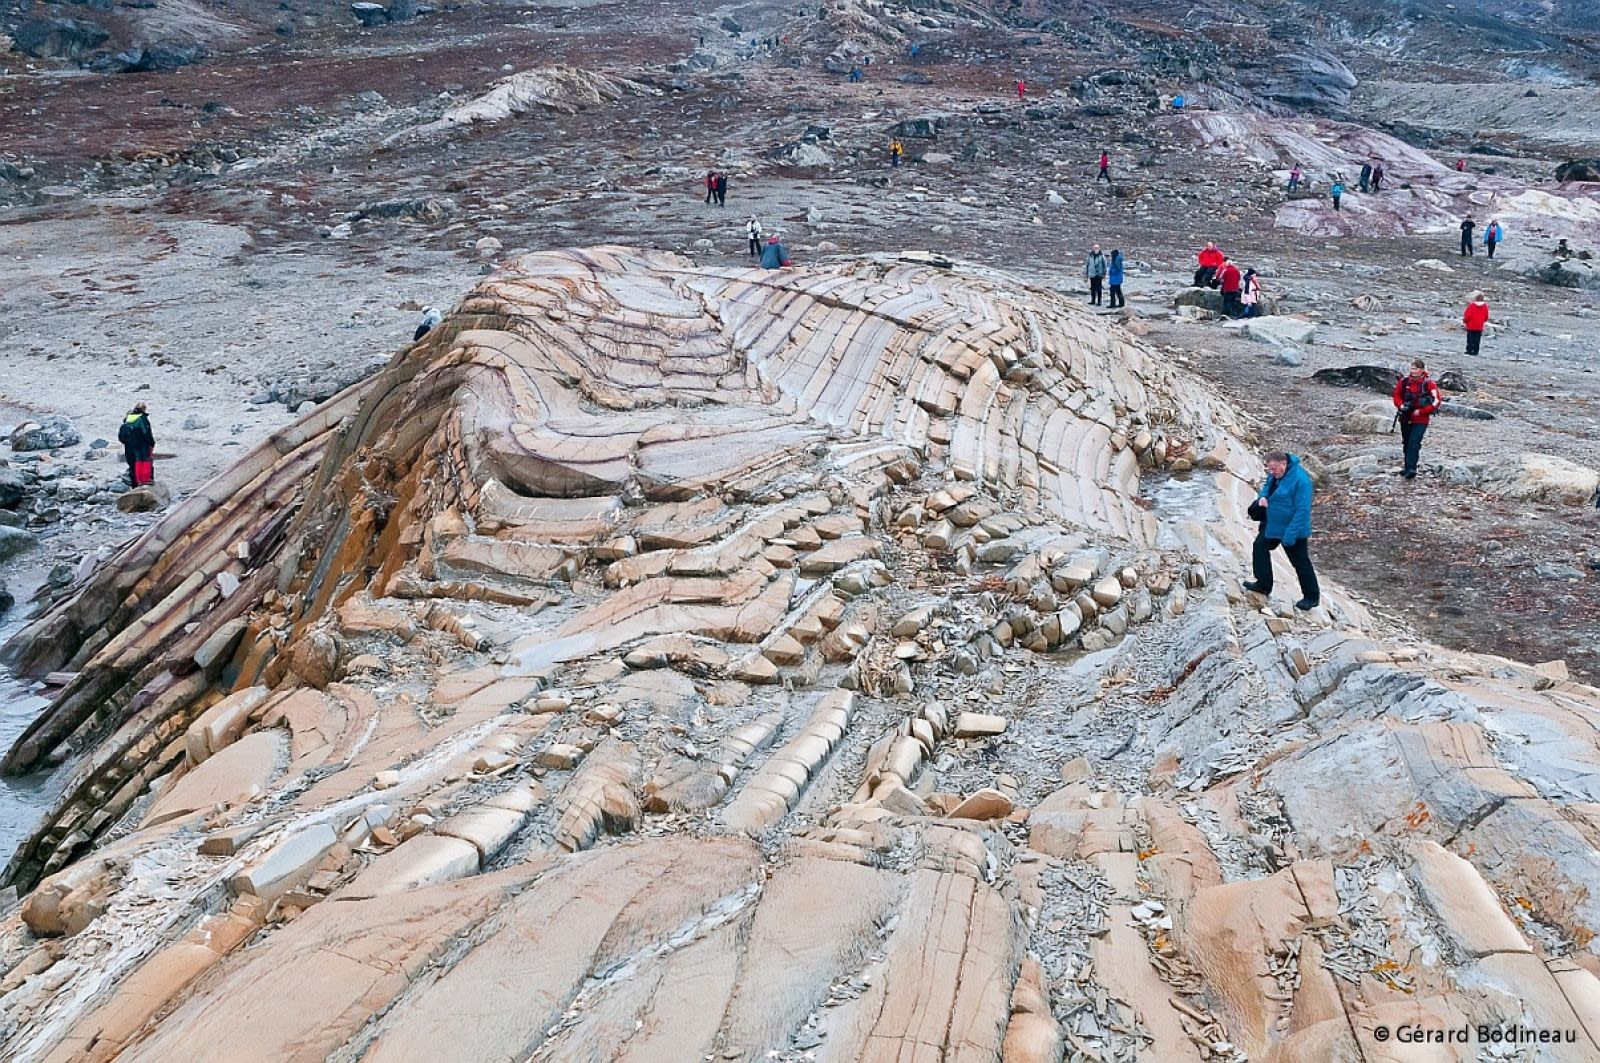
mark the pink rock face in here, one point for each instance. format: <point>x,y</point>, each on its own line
<point>766,666</point>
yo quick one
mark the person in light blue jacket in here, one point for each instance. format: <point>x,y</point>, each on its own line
<point>1284,509</point>
<point>1492,235</point>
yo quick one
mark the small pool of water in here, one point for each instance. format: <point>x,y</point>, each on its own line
<point>1185,496</point>
<point>23,799</point>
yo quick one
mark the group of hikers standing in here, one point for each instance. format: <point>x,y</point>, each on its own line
<point>1492,235</point>
<point>1371,181</point>
<point>716,187</point>
<point>1105,271</point>
<point>1241,290</point>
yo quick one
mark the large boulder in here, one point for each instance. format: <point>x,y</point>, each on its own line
<point>13,486</point>
<point>59,38</point>
<point>1541,478</point>
<point>1211,299</point>
<point>1369,418</point>
<point>1278,331</point>
<point>48,433</point>
<point>1309,78</point>
<point>1579,170</point>
<point>144,499</point>
<point>370,14</point>
<point>13,541</point>
<point>1567,273</point>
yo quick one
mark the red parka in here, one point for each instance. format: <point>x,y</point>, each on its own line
<point>1423,394</point>
<point>1475,316</point>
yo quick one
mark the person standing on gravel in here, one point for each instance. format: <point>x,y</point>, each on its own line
<point>1022,89</point>
<point>1491,236</point>
<point>138,441</point>
<point>1229,279</point>
<point>1250,293</point>
<point>1105,167</point>
<point>1295,177</point>
<point>752,229</point>
<point>1095,268</point>
<point>1114,274</point>
<point>722,189</point>
<point>711,186</point>
<point>1473,319</point>
<point>1284,509</point>
<point>1416,398</point>
<point>1467,225</point>
<point>896,150</point>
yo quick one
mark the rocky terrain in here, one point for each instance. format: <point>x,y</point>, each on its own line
<point>884,611</point>
<point>646,620</point>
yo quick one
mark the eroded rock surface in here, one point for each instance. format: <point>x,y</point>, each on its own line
<point>660,662</point>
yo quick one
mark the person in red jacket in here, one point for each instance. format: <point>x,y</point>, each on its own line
<point>1210,259</point>
<point>1416,398</point>
<point>1473,318</point>
<point>1022,88</point>
<point>1232,283</point>
<point>1105,167</point>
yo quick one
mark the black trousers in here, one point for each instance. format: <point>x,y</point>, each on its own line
<point>1299,555</point>
<point>1411,443</point>
<point>1335,202</point>
<point>1466,244</point>
<point>755,245</point>
<point>1231,304</point>
<point>1116,296</point>
<point>1473,339</point>
<point>1095,284</point>
<point>1105,175</point>
<point>1489,246</point>
<point>1205,277</point>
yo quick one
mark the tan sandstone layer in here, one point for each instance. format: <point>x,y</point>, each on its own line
<point>672,663</point>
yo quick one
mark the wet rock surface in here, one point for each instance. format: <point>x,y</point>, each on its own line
<point>722,614</point>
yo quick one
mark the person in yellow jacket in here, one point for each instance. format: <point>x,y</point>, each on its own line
<point>896,149</point>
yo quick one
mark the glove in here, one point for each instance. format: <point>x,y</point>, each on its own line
<point>1257,511</point>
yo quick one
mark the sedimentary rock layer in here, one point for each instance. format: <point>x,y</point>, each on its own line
<point>659,662</point>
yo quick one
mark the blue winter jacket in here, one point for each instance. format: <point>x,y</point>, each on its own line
<point>1492,234</point>
<point>1289,504</point>
<point>1114,274</point>
<point>774,256</point>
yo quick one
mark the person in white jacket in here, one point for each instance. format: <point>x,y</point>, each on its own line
<point>752,229</point>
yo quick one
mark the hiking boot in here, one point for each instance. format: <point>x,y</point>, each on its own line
<point>1255,588</point>
<point>1306,604</point>
<point>1409,474</point>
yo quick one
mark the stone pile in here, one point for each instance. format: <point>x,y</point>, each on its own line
<point>646,622</point>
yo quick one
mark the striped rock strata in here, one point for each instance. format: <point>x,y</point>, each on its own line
<point>659,662</point>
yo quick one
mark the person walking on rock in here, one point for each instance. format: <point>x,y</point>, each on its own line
<point>1232,284</point>
<point>774,255</point>
<point>1296,175</point>
<point>1416,398</point>
<point>1491,236</point>
<point>1022,88</point>
<point>138,441</point>
<point>1105,167</point>
<point>1095,268</point>
<point>430,318</point>
<point>1377,176</point>
<point>711,186</point>
<point>1284,509</point>
<point>896,150</point>
<point>752,230</point>
<point>1210,259</point>
<point>1366,176</point>
<point>1114,274</point>
<point>1467,225</point>
<point>1337,192</point>
<point>1473,319</point>
<point>1461,165</point>
<point>722,189</point>
<point>855,74</point>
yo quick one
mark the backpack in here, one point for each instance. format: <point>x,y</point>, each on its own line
<point>125,434</point>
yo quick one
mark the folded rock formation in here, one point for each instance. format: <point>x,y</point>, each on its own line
<point>669,662</point>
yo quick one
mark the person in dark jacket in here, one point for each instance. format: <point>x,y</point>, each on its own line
<point>1095,268</point>
<point>1284,510</point>
<point>774,255</point>
<point>1366,176</point>
<point>1416,398</point>
<point>1467,225</point>
<point>1114,274</point>
<point>722,189</point>
<point>138,441</point>
<point>1377,177</point>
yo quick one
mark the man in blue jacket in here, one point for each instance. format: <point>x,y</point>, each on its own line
<point>1284,510</point>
